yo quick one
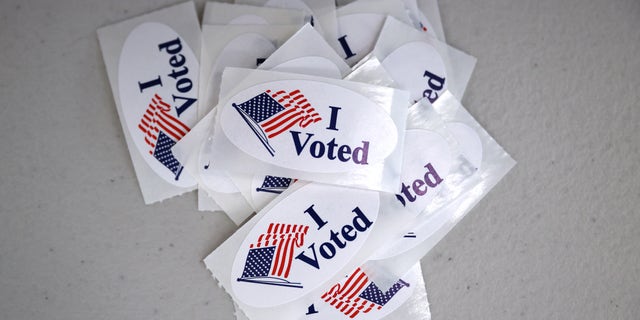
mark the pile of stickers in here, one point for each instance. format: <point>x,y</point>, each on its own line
<point>330,132</point>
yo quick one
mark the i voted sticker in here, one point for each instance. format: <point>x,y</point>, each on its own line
<point>309,126</point>
<point>358,297</point>
<point>156,77</point>
<point>418,68</point>
<point>301,242</point>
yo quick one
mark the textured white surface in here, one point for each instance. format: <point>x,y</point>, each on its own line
<point>556,83</point>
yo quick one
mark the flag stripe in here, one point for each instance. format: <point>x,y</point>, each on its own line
<point>297,111</point>
<point>285,238</point>
<point>149,142</point>
<point>277,117</point>
<point>342,296</point>
<point>284,127</point>
<point>167,130</point>
<point>177,132</point>
<point>162,102</point>
<point>157,117</point>
<point>177,122</point>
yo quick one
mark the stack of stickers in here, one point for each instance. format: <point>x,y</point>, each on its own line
<point>329,131</point>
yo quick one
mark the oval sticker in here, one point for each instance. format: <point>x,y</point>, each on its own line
<point>309,126</point>
<point>418,68</point>
<point>157,83</point>
<point>301,242</point>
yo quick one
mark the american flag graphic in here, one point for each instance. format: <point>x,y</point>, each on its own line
<point>271,113</point>
<point>162,131</point>
<point>270,257</point>
<point>360,295</point>
<point>274,184</point>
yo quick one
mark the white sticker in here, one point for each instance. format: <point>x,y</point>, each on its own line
<point>158,91</point>
<point>417,67</point>
<point>301,242</point>
<point>309,125</point>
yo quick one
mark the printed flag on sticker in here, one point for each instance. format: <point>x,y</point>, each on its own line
<point>270,257</point>
<point>274,184</point>
<point>161,132</point>
<point>360,295</point>
<point>272,113</point>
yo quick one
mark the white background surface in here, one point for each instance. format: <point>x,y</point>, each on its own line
<point>556,84</point>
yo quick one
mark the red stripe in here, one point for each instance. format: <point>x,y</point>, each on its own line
<point>277,117</point>
<point>283,120</point>
<point>164,104</point>
<point>152,136</point>
<point>267,238</point>
<point>285,128</point>
<point>284,253</point>
<point>306,122</point>
<point>177,132</point>
<point>149,142</point>
<point>276,261</point>
<point>168,131</point>
<point>290,254</point>
<point>368,308</point>
<point>279,256</point>
<point>178,122</point>
<point>362,281</point>
<point>275,95</point>
<point>260,240</point>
